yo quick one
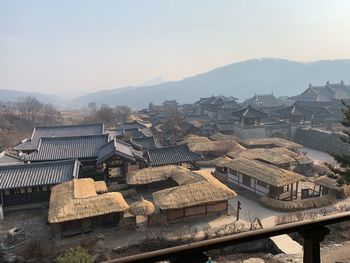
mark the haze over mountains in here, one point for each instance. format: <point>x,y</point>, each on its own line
<point>241,80</point>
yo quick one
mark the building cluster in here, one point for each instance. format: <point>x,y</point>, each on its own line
<point>171,162</point>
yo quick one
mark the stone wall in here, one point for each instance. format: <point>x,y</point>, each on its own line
<point>324,141</point>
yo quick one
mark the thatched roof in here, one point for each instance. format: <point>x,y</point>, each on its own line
<point>301,158</point>
<point>155,174</point>
<point>207,191</point>
<point>191,138</point>
<point>271,142</point>
<point>328,182</point>
<point>266,155</point>
<point>78,199</point>
<point>219,162</point>
<point>269,174</point>
<point>220,136</point>
<point>141,207</point>
<point>101,187</point>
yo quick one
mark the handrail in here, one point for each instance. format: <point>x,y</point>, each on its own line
<point>196,247</point>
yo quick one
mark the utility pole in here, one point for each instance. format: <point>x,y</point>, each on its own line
<point>238,208</point>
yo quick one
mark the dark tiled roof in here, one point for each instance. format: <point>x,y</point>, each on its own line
<point>6,158</point>
<point>249,112</point>
<point>59,131</point>
<point>144,143</point>
<point>225,126</point>
<point>131,126</point>
<point>36,174</point>
<point>265,100</point>
<point>61,148</point>
<point>295,109</point>
<point>171,155</point>
<point>117,148</point>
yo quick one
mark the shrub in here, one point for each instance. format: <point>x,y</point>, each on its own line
<point>76,255</point>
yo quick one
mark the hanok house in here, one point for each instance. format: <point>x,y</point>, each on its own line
<point>83,148</point>
<point>268,156</point>
<point>116,158</point>
<point>249,116</point>
<point>178,154</point>
<point>295,114</point>
<point>330,186</point>
<point>6,158</point>
<point>262,179</point>
<point>206,197</point>
<point>31,144</point>
<point>82,204</point>
<point>161,177</point>
<point>30,183</point>
<point>271,143</point>
<point>209,148</point>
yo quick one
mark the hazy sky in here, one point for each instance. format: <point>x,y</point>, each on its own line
<point>81,46</point>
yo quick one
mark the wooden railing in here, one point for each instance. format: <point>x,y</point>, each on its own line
<point>313,231</point>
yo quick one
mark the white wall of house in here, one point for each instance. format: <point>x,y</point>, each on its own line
<point>237,178</point>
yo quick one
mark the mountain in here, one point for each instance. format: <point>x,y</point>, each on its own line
<point>152,82</point>
<point>14,95</point>
<point>241,80</point>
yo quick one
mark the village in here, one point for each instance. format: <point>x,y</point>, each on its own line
<point>174,173</point>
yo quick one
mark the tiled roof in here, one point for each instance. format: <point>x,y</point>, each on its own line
<point>264,100</point>
<point>171,155</point>
<point>6,158</point>
<point>249,112</point>
<point>295,109</point>
<point>59,131</point>
<point>61,148</point>
<point>36,174</point>
<point>144,143</point>
<point>117,148</point>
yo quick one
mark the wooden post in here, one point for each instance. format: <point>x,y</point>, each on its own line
<point>238,208</point>
<point>291,191</point>
<point>312,239</point>
<point>2,197</point>
<point>296,192</point>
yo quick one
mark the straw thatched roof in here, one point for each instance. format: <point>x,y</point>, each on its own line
<point>271,142</point>
<point>301,158</point>
<point>269,174</point>
<point>141,207</point>
<point>101,187</point>
<point>220,136</point>
<point>328,182</point>
<point>219,162</point>
<point>266,155</point>
<point>155,174</point>
<point>202,145</point>
<point>78,199</point>
<point>207,191</point>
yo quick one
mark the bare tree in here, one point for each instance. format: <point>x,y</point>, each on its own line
<point>49,115</point>
<point>29,108</point>
<point>121,113</point>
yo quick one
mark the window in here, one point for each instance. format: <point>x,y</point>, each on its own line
<point>262,184</point>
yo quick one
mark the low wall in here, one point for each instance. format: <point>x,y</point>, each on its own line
<point>324,141</point>
<point>296,205</point>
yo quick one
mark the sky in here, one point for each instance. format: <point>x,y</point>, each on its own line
<point>79,46</point>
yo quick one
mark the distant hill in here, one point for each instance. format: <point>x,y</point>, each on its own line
<point>241,80</point>
<point>14,95</point>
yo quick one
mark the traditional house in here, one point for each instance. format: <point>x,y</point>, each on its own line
<point>265,102</point>
<point>116,158</point>
<point>209,148</point>
<point>328,93</point>
<point>30,183</point>
<point>262,179</point>
<point>295,113</point>
<point>271,143</point>
<point>268,156</point>
<point>6,158</point>
<point>161,177</point>
<point>142,209</point>
<point>249,116</point>
<point>178,154</point>
<point>30,145</point>
<point>330,186</point>
<point>84,148</point>
<point>205,197</point>
<point>81,204</point>
<point>144,143</point>
<point>218,107</point>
